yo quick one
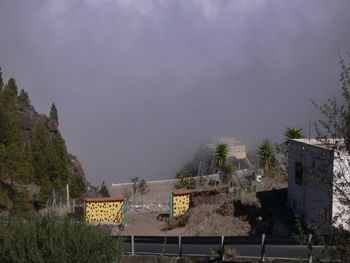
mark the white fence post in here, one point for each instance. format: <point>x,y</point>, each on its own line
<point>180,247</point>
<point>132,245</point>
<point>309,248</point>
<point>262,259</point>
<point>222,248</point>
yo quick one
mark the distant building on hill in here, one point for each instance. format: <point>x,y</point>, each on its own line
<point>236,147</point>
<point>313,169</point>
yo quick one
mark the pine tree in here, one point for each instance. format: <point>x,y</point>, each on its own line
<point>104,190</point>
<point>60,150</point>
<point>1,108</point>
<point>77,186</point>
<point>29,162</point>
<point>50,162</point>
<point>1,80</point>
<point>53,168</point>
<point>23,99</point>
<point>12,87</point>
<point>20,202</point>
<point>19,167</point>
<point>13,156</point>
<point>3,168</point>
<point>8,116</point>
<point>45,191</point>
<point>40,145</point>
<point>53,113</point>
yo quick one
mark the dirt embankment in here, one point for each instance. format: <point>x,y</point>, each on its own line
<point>216,212</point>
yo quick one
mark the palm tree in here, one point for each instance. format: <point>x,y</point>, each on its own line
<point>293,133</point>
<point>267,157</point>
<point>221,154</point>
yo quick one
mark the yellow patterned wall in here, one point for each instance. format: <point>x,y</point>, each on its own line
<point>181,203</point>
<point>104,211</point>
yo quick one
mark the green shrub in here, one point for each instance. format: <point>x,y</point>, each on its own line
<point>183,219</point>
<point>230,253</point>
<point>50,239</point>
<point>177,221</point>
<point>20,202</point>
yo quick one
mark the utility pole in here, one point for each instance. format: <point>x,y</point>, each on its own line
<point>68,196</point>
<point>198,174</point>
<point>309,130</point>
<point>54,198</point>
<point>199,168</point>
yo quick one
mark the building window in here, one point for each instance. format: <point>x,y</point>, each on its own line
<point>298,173</point>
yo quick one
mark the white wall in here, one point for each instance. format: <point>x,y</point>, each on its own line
<point>341,171</point>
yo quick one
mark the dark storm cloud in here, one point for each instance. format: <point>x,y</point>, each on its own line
<point>139,84</point>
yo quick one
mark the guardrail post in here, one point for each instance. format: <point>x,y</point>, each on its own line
<point>222,248</point>
<point>263,237</point>
<point>180,247</point>
<point>132,245</point>
<point>309,248</point>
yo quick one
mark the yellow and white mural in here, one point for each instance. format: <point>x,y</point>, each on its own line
<point>180,202</point>
<point>105,210</point>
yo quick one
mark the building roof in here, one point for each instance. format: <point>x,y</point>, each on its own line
<point>182,192</point>
<point>108,199</point>
<point>330,144</point>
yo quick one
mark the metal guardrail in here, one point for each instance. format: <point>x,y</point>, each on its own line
<point>194,240</point>
<point>219,242</point>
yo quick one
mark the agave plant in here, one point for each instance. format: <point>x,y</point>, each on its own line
<point>293,133</point>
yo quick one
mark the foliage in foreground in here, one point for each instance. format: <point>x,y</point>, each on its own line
<point>50,239</point>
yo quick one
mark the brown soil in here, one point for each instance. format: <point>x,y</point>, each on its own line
<point>205,221</point>
<point>146,224</point>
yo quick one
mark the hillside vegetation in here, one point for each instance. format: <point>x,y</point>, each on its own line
<point>33,155</point>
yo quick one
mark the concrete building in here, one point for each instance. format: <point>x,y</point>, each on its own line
<point>236,148</point>
<point>315,168</point>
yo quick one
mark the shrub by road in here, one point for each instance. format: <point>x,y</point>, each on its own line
<point>50,239</point>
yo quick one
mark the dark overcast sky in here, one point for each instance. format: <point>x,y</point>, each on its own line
<point>139,84</point>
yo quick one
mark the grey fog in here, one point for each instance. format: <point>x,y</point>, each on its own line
<point>140,84</point>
